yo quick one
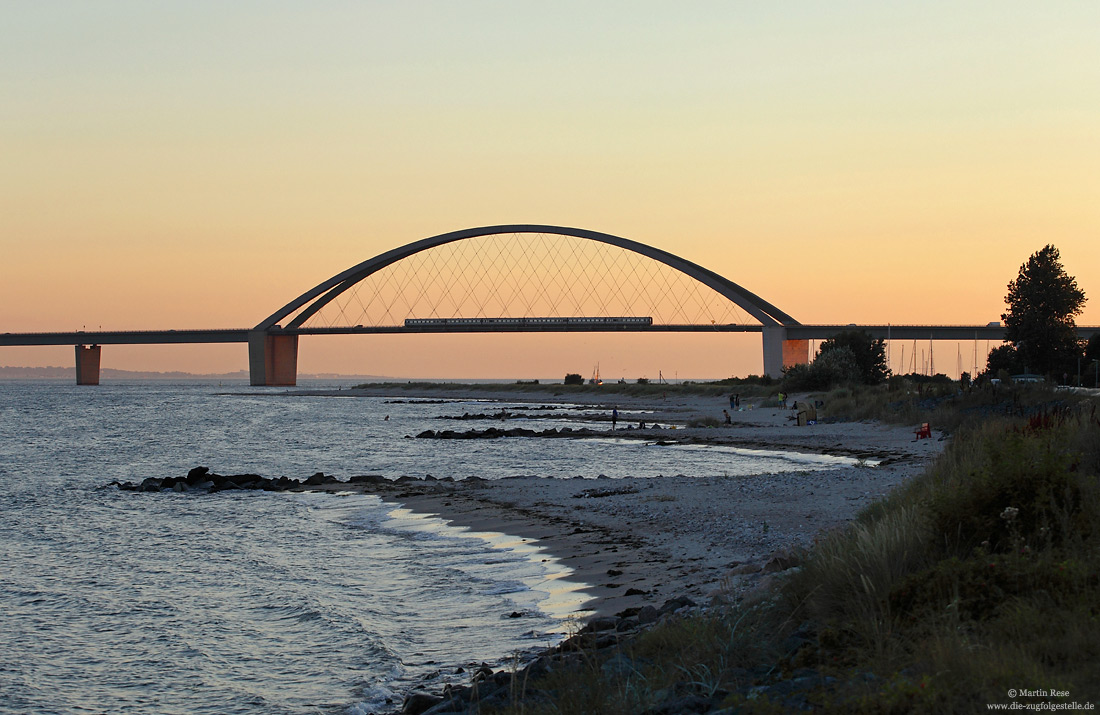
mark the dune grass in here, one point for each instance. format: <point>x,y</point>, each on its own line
<point>945,405</point>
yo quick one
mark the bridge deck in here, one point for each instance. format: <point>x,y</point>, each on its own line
<point>238,335</point>
<point>125,337</point>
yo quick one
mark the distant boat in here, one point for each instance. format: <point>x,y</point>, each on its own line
<point>595,380</point>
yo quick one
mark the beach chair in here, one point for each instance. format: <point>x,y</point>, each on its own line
<point>924,431</point>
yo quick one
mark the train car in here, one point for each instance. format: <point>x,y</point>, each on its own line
<point>444,322</point>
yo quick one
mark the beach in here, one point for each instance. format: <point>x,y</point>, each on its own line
<point>713,538</point>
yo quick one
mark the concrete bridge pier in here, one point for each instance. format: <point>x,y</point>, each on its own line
<point>87,364</point>
<point>272,359</point>
<point>780,353</point>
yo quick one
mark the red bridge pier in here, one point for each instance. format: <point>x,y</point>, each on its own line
<point>795,352</point>
<point>87,364</point>
<point>781,353</point>
<point>272,359</point>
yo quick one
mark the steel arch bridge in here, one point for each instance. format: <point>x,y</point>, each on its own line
<point>537,287</point>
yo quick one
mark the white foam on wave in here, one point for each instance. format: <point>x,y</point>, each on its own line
<point>381,697</point>
<point>554,592</point>
<point>501,587</point>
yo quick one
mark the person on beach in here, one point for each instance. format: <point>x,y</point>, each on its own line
<point>614,417</point>
<point>727,414</point>
<point>737,402</point>
<point>733,401</point>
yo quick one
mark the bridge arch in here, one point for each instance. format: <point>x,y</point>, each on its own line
<point>316,298</point>
<point>273,342</point>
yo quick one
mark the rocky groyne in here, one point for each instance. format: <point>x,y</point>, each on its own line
<point>203,480</point>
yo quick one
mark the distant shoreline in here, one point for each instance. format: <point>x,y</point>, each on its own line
<point>69,373</point>
<point>12,373</point>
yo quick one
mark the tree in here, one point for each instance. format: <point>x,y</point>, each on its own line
<point>1042,303</point>
<point>830,368</point>
<point>869,354</point>
<point>574,378</point>
<point>1092,356</point>
<point>1092,348</point>
<point>1002,357</point>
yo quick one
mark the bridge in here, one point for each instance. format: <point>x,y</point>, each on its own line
<point>505,279</point>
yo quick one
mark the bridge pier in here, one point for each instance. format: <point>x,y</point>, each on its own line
<point>796,352</point>
<point>781,353</point>
<point>272,359</point>
<point>773,336</point>
<point>87,364</point>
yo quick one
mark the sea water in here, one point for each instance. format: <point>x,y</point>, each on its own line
<point>259,602</point>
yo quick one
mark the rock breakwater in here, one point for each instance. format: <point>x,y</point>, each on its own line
<point>203,480</point>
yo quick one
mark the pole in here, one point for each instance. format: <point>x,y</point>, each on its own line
<point>888,363</point>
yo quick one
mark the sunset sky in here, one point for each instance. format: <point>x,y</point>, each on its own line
<point>199,164</point>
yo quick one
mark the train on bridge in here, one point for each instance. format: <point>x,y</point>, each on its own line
<point>445,322</point>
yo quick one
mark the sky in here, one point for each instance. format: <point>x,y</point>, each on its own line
<point>199,164</point>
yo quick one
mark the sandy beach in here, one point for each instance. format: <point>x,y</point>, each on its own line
<point>638,541</point>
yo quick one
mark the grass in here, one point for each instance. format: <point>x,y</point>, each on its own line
<point>943,404</point>
<point>700,655</point>
<point>981,575</point>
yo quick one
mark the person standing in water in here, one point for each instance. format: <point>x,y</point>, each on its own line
<point>614,417</point>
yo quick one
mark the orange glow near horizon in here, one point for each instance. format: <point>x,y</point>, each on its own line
<point>169,168</point>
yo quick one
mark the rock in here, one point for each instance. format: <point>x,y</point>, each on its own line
<point>675,604</point>
<point>241,481</point>
<point>748,568</point>
<point>198,474</point>
<point>682,705</point>
<point>220,483</point>
<point>538,667</point>
<point>317,479</point>
<point>604,623</point>
<point>367,479</point>
<point>648,614</point>
<point>782,562</point>
<point>483,672</point>
<point>760,592</point>
<point>447,707</point>
<point>627,624</point>
<point>618,666</point>
<point>419,703</point>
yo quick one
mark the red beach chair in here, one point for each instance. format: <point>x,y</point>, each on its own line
<point>924,432</point>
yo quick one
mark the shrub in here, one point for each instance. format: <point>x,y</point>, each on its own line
<point>837,366</point>
<point>574,378</point>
